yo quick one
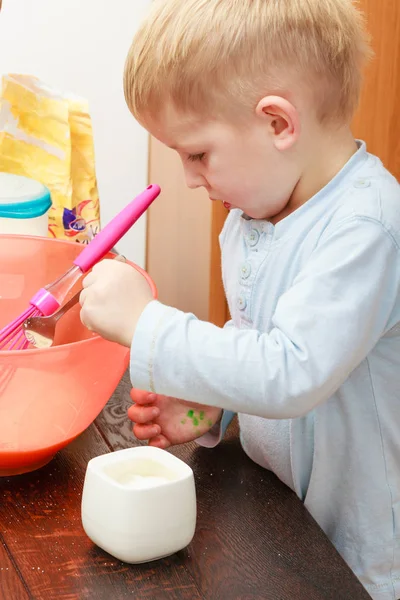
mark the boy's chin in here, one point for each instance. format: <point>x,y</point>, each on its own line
<point>257,214</point>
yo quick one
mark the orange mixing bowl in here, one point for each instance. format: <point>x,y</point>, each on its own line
<point>50,396</point>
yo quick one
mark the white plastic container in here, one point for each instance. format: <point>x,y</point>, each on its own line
<point>139,504</point>
<point>24,206</point>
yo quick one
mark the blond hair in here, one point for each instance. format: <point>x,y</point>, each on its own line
<point>196,53</point>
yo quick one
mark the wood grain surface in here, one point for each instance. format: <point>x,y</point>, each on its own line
<point>254,538</point>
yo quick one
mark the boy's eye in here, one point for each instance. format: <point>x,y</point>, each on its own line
<point>196,157</point>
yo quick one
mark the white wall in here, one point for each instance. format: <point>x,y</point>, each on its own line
<point>80,46</point>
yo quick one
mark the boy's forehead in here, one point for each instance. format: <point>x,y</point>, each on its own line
<point>178,130</point>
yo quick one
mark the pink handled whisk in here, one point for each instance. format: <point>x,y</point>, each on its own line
<point>49,299</point>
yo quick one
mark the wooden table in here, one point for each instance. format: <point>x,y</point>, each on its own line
<point>254,539</point>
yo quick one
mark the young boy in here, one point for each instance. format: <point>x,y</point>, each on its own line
<point>257,97</point>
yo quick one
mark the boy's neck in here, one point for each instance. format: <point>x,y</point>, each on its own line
<point>327,157</point>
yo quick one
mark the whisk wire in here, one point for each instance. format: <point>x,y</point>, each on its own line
<point>12,337</point>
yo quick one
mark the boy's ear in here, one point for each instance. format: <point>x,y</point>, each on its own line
<point>282,119</point>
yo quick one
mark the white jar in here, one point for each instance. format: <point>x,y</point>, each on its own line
<point>139,504</point>
<point>24,206</point>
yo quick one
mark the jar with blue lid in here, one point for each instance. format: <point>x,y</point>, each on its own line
<point>24,206</point>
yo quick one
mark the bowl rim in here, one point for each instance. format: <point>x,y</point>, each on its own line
<point>96,337</point>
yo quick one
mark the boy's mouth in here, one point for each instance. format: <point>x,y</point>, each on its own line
<point>227,205</point>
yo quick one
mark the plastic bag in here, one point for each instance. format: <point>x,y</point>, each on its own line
<point>47,136</point>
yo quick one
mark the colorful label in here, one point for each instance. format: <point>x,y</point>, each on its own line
<point>48,137</point>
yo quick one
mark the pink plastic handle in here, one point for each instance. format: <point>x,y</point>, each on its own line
<point>113,232</point>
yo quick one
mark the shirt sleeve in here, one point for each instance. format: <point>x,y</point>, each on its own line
<point>337,309</point>
<point>216,434</point>
<point>212,438</point>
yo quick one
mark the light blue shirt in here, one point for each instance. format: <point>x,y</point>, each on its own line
<point>310,361</point>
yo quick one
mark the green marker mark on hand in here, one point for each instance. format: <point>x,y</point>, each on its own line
<point>191,414</point>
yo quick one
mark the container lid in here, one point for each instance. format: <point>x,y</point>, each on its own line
<point>22,198</point>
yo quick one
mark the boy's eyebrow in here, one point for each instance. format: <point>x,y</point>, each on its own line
<point>186,147</point>
<point>178,148</point>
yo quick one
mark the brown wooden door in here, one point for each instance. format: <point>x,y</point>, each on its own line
<point>378,121</point>
<point>179,236</point>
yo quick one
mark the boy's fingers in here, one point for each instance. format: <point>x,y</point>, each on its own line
<point>146,432</point>
<point>160,441</point>
<point>142,397</point>
<point>143,414</point>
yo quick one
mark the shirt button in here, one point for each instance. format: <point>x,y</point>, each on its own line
<point>241,302</point>
<point>245,270</point>
<point>253,237</point>
<point>362,183</point>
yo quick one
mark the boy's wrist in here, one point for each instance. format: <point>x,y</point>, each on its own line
<point>218,421</point>
<point>128,327</point>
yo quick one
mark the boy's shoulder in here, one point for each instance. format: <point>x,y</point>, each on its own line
<point>372,194</point>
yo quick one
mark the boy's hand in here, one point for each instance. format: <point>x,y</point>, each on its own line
<point>166,421</point>
<point>113,298</point>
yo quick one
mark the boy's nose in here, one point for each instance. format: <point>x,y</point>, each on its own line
<point>194,180</point>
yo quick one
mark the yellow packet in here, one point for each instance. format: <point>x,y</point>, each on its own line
<point>48,136</point>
